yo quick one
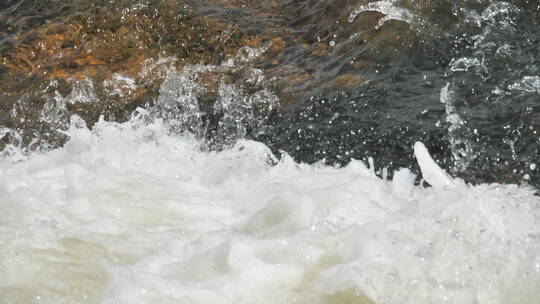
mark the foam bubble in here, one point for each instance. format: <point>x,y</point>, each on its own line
<point>127,213</point>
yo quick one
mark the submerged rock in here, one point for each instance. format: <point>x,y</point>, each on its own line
<point>343,79</point>
<point>114,56</point>
<point>106,59</point>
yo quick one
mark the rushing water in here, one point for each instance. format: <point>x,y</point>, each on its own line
<point>363,152</point>
<point>127,213</point>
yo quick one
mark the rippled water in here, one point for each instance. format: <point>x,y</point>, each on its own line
<point>354,79</point>
<point>277,152</point>
<point>484,57</point>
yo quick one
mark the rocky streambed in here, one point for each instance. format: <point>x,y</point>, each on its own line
<point>322,80</point>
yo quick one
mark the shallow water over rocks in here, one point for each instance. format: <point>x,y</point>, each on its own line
<point>354,79</point>
<point>277,151</point>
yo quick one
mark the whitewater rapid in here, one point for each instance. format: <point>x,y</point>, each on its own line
<point>128,213</point>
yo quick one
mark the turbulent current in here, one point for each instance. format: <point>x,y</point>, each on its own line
<point>328,152</point>
<point>127,213</point>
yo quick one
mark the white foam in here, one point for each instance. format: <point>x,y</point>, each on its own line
<point>390,11</point>
<point>129,214</point>
<point>431,172</point>
<point>529,84</point>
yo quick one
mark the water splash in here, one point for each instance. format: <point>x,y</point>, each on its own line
<point>528,84</point>
<point>464,64</point>
<point>128,213</point>
<point>242,113</point>
<point>54,112</point>
<point>14,149</point>
<point>389,9</point>
<point>460,146</point>
<point>502,15</point>
<point>178,104</point>
<point>235,112</point>
<point>120,85</point>
<point>82,92</point>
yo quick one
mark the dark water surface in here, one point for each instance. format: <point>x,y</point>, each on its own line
<point>461,76</point>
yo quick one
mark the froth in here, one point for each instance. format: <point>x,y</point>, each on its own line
<point>127,213</point>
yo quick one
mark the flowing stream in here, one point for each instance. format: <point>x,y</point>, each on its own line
<point>331,152</point>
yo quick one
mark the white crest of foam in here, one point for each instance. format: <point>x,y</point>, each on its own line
<point>528,84</point>
<point>501,14</point>
<point>432,173</point>
<point>464,64</point>
<point>127,213</point>
<point>387,8</point>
